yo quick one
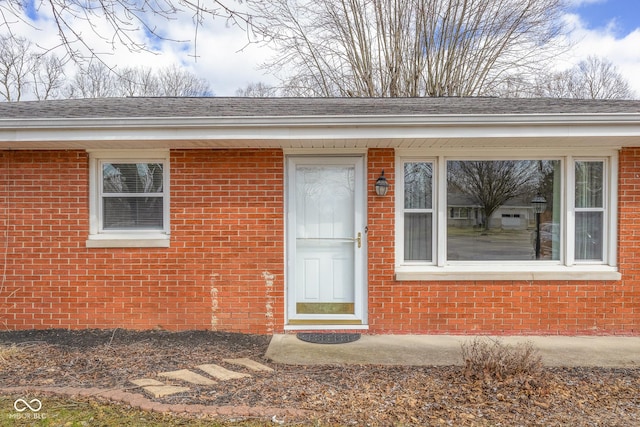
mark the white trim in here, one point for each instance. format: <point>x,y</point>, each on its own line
<point>608,199</point>
<point>568,243</point>
<point>613,130</point>
<point>506,272</point>
<point>561,120</point>
<point>566,268</point>
<point>612,248</point>
<point>440,250</point>
<point>99,238</point>
<point>129,241</point>
<point>400,210</point>
<point>325,151</point>
<point>360,213</point>
<point>325,327</point>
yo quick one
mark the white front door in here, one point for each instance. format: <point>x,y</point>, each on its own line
<point>325,240</point>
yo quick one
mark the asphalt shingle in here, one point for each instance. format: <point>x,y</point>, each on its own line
<point>305,107</point>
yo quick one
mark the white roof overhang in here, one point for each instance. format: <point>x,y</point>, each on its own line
<point>383,131</point>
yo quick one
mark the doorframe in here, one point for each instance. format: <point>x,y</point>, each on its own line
<point>361,288</point>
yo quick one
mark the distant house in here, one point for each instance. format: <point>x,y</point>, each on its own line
<point>262,215</point>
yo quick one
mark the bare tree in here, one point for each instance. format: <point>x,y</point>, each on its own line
<point>16,65</point>
<point>124,22</point>
<point>94,81</point>
<point>48,77</point>
<point>175,81</point>
<point>592,78</point>
<point>25,74</point>
<point>561,84</point>
<point>492,183</point>
<point>257,90</point>
<point>137,81</point>
<point>598,78</point>
<point>98,81</point>
<point>407,47</point>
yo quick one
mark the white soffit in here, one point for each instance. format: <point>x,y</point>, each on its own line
<point>491,131</point>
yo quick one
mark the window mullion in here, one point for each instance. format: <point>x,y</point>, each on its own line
<point>611,216</point>
<point>570,218</point>
<point>440,226</point>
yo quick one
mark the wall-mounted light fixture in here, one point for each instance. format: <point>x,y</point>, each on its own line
<point>382,185</point>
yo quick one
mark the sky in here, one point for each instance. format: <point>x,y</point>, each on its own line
<point>606,28</point>
<point>610,29</point>
<point>619,17</point>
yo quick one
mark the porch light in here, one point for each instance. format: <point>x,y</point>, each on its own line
<point>539,205</point>
<point>382,185</point>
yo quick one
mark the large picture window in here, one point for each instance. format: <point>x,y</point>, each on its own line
<point>129,199</point>
<point>520,215</point>
<point>503,224</point>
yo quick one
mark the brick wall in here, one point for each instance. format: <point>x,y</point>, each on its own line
<point>223,271</point>
<point>510,307</point>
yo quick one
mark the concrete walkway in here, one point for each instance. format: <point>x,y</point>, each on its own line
<point>439,350</point>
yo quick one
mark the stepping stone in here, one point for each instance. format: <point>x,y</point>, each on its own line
<point>188,376</point>
<point>164,390</point>
<point>142,382</point>
<point>158,389</point>
<point>220,373</point>
<point>248,363</point>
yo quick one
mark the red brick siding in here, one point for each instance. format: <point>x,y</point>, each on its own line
<point>510,307</point>
<point>224,269</point>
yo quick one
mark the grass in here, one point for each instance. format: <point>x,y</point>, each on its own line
<point>72,412</point>
<point>7,353</point>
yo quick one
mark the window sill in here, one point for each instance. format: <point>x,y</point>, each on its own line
<point>507,273</point>
<point>154,240</point>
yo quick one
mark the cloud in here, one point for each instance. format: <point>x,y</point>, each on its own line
<point>604,42</point>
<point>224,58</point>
<point>222,54</point>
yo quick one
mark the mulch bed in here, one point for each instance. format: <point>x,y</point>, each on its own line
<point>336,395</point>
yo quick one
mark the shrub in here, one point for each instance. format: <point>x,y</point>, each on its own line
<point>489,358</point>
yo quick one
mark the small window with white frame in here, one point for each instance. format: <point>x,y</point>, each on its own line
<point>512,218</point>
<point>590,210</point>
<point>129,199</point>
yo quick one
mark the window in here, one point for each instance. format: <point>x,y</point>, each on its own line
<point>474,218</point>
<point>418,211</point>
<point>497,187</point>
<point>459,213</point>
<point>590,210</point>
<point>129,199</point>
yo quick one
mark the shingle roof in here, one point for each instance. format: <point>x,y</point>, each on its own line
<point>301,107</point>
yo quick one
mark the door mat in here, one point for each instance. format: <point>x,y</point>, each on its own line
<point>325,338</point>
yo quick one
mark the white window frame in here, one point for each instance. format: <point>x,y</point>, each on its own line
<point>100,238</point>
<point>566,268</point>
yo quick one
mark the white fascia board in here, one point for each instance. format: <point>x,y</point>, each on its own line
<point>321,127</point>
